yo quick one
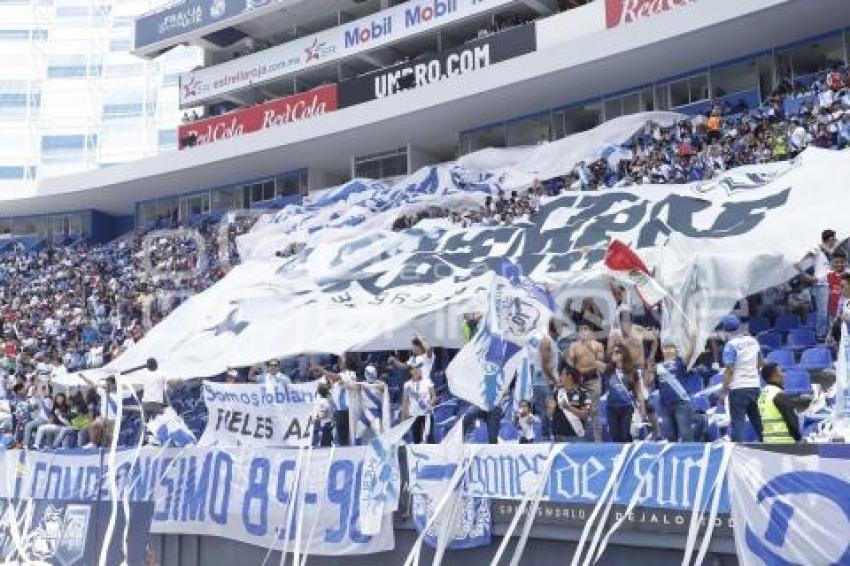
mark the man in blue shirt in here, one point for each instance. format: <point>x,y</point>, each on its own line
<point>741,382</point>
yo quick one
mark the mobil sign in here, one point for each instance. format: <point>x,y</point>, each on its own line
<point>261,117</point>
<point>405,17</point>
<point>620,12</point>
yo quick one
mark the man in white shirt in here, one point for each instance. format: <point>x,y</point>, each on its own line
<point>422,357</point>
<point>341,385</point>
<point>821,260</point>
<point>417,402</point>
<point>741,382</point>
<point>154,391</point>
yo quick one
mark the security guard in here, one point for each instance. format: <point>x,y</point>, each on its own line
<point>779,421</point>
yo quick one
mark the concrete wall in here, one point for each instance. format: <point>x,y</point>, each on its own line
<point>547,547</point>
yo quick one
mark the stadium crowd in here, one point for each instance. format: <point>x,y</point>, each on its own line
<point>79,306</point>
<point>791,119</point>
<point>76,307</point>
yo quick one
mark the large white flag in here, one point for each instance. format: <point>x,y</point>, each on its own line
<point>380,485</point>
<point>791,509</point>
<point>516,309</point>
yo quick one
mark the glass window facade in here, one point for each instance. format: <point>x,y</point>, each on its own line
<point>67,71</point>
<point>382,165</point>
<point>750,81</point>
<point>66,143</point>
<point>260,193</point>
<point>11,172</point>
<point>50,227</point>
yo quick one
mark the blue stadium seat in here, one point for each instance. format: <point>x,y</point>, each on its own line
<point>770,340</point>
<point>816,359</point>
<point>800,338</point>
<point>787,321</point>
<point>798,382</point>
<point>758,324</point>
<point>784,358</point>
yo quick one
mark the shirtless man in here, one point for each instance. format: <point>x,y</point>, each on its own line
<point>588,356</point>
<point>634,338</point>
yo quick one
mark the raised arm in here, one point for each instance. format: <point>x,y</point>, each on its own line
<point>546,354</point>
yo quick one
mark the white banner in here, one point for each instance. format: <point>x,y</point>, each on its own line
<point>380,486</point>
<point>359,285</point>
<point>253,414</point>
<point>388,26</point>
<point>791,509</point>
<point>298,501</point>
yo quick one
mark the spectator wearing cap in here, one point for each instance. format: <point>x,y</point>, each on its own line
<point>741,384</point>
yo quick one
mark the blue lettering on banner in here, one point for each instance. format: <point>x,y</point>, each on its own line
<point>247,496</point>
<point>580,473</point>
<point>359,35</point>
<point>197,485</point>
<point>424,14</point>
<point>826,486</point>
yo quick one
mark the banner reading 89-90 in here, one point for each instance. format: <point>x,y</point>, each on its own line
<point>269,498</point>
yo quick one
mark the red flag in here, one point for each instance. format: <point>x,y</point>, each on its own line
<point>627,266</point>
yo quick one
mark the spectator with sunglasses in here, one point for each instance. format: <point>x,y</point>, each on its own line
<point>271,376</point>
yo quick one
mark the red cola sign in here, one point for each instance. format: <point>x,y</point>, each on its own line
<point>619,12</point>
<point>269,115</point>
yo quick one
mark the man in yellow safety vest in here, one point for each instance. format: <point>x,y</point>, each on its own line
<point>780,424</point>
